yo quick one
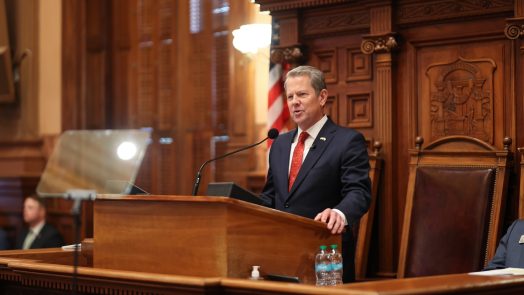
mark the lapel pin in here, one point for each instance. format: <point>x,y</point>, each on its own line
<point>323,138</point>
<point>521,241</point>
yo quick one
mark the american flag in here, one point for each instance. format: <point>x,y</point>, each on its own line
<point>278,112</point>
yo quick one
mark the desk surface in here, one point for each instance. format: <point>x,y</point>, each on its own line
<point>49,269</point>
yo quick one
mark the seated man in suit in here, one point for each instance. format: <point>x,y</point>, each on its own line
<point>4,243</point>
<point>39,234</point>
<point>510,252</point>
<point>319,170</point>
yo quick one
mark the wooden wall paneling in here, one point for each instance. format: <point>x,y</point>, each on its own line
<point>288,30</point>
<point>167,101</point>
<point>183,140</point>
<point>121,64</point>
<point>198,99</point>
<point>166,65</point>
<point>241,109</point>
<point>152,83</point>
<point>147,63</point>
<point>73,64</point>
<point>98,78</point>
<point>415,12</point>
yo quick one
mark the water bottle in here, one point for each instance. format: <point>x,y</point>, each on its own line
<point>322,266</point>
<point>336,268</point>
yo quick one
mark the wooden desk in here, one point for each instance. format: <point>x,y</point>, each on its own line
<point>47,271</point>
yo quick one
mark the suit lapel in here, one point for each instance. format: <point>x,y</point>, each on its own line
<point>284,162</point>
<point>322,141</point>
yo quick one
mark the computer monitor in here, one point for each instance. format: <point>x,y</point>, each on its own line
<point>230,189</point>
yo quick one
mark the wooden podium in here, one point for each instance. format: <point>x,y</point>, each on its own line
<point>204,237</point>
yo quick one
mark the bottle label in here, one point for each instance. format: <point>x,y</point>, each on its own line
<point>336,266</point>
<point>322,267</point>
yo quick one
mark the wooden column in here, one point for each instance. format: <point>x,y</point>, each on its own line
<point>380,43</point>
<point>515,31</point>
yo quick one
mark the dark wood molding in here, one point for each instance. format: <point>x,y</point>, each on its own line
<point>417,12</point>
<point>276,5</point>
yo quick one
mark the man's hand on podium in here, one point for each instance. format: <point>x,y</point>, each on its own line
<point>335,221</point>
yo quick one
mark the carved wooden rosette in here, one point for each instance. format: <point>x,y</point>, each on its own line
<point>514,28</point>
<point>293,55</point>
<point>379,43</point>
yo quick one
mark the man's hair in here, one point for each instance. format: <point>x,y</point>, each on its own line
<point>315,75</point>
<point>40,201</point>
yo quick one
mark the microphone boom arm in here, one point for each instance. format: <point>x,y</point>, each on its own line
<point>199,173</point>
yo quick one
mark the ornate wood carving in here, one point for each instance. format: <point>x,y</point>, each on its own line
<point>343,21</point>
<point>360,110</point>
<point>461,95</point>
<point>379,43</point>
<point>426,11</point>
<point>293,55</point>
<point>514,28</point>
<point>276,5</point>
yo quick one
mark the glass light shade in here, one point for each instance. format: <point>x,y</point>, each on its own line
<point>250,38</point>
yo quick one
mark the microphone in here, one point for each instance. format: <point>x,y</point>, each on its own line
<point>271,134</point>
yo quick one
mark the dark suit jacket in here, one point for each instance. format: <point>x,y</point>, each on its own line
<point>510,253</point>
<point>49,237</point>
<point>334,174</point>
<point>4,243</point>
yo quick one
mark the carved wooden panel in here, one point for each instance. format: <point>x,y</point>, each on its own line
<point>327,62</point>
<point>359,110</point>
<point>461,91</point>
<point>332,108</point>
<point>316,22</point>
<point>461,98</point>
<point>358,65</point>
<point>424,11</point>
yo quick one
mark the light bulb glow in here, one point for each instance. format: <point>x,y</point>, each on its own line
<point>250,38</point>
<point>126,150</point>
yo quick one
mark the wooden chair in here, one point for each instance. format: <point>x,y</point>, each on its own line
<point>363,231</point>
<point>455,199</point>
<point>521,188</point>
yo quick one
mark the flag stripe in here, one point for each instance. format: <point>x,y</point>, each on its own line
<point>278,113</point>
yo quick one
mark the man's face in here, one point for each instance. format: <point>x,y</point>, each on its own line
<point>33,212</point>
<point>304,105</point>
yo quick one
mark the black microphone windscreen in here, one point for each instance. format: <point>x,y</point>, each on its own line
<point>272,133</point>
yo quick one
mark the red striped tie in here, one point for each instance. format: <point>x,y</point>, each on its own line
<point>296,161</point>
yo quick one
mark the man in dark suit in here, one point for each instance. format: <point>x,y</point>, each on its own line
<point>319,170</point>
<point>39,234</point>
<point>510,252</point>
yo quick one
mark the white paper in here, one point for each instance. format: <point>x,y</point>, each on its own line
<point>513,271</point>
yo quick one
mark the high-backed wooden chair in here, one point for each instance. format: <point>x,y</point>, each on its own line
<point>455,197</point>
<point>363,232</point>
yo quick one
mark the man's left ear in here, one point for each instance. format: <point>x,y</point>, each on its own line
<point>323,97</point>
